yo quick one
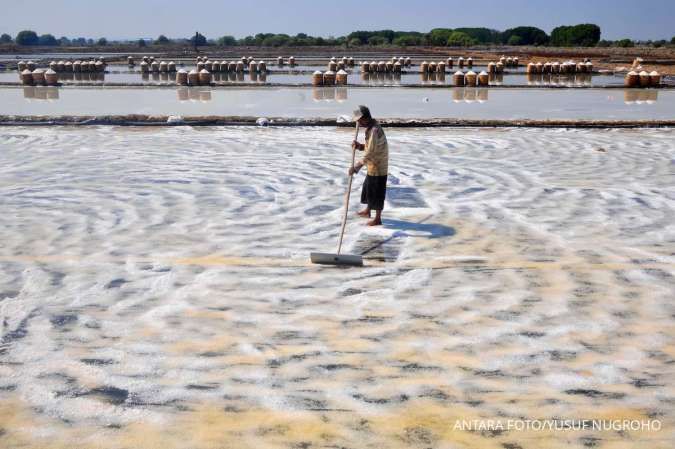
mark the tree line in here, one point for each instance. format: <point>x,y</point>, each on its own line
<point>582,35</point>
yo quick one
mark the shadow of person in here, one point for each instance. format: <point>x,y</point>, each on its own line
<point>420,229</point>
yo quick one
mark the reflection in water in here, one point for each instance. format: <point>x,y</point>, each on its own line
<point>552,79</point>
<point>381,78</point>
<point>82,76</point>
<point>640,96</point>
<point>433,77</point>
<point>337,93</point>
<point>496,79</point>
<point>41,92</point>
<point>202,94</point>
<point>470,94</point>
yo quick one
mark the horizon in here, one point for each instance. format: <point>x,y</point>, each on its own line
<point>618,19</point>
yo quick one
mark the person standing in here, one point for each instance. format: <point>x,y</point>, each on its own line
<point>376,159</point>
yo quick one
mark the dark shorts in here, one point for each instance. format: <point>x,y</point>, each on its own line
<point>373,192</point>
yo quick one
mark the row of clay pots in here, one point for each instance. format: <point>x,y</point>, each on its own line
<point>495,67</point>
<point>642,79</point>
<point>329,78</point>
<point>246,60</point>
<point>39,77</point>
<point>155,66</point>
<point>470,78</point>
<point>193,77</point>
<point>381,67</point>
<point>431,67</point>
<point>460,62</point>
<point>508,61</point>
<point>557,67</point>
<point>343,62</point>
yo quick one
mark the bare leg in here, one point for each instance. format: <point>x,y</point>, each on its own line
<point>364,213</point>
<point>377,221</point>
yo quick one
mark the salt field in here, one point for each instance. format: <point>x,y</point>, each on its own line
<point>356,78</point>
<point>330,102</point>
<point>156,292</point>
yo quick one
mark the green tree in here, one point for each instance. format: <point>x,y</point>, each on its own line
<point>459,39</point>
<point>63,40</point>
<point>439,36</point>
<point>141,43</point>
<point>527,35</point>
<point>582,35</point>
<point>102,42</point>
<point>5,39</point>
<point>47,40</point>
<point>27,37</point>
<point>198,40</point>
<point>162,40</point>
<point>407,40</point>
<point>672,40</point>
<point>481,35</point>
<point>353,42</point>
<point>377,40</point>
<point>624,43</point>
<point>227,41</point>
<point>515,40</point>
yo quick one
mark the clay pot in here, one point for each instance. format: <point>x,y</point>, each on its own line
<point>440,67</point>
<point>492,67</point>
<point>171,66</point>
<point>317,78</point>
<point>483,78</point>
<point>39,77</point>
<point>332,66</point>
<point>51,78</point>
<point>182,77</point>
<point>253,67</point>
<point>470,78</point>
<point>262,67</point>
<point>365,67</point>
<point>458,78</point>
<point>424,67</point>
<point>193,78</point>
<point>329,78</point>
<point>163,67</point>
<point>204,77</point>
<point>398,67</point>
<point>632,79</point>
<point>644,79</point>
<point>145,67</point>
<point>26,77</point>
<point>469,62</point>
<point>654,79</point>
<point>341,77</point>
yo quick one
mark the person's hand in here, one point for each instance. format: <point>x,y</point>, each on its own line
<point>351,171</point>
<point>355,145</point>
<point>355,169</point>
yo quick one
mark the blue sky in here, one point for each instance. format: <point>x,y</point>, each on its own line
<point>636,19</point>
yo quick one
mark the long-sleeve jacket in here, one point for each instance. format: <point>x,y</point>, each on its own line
<point>376,156</point>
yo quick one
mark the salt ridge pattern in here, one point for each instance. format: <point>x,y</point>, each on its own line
<point>155,289</point>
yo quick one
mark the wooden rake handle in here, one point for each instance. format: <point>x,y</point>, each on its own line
<point>349,190</point>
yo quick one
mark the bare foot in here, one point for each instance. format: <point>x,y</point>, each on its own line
<point>364,213</point>
<point>374,222</point>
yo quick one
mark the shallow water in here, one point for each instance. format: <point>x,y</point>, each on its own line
<point>330,102</point>
<point>155,289</point>
<point>367,79</point>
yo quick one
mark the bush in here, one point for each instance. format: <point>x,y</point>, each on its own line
<point>527,35</point>
<point>378,40</point>
<point>624,43</point>
<point>582,35</point>
<point>407,40</point>
<point>198,40</point>
<point>102,42</point>
<point>515,40</point>
<point>27,37</point>
<point>161,40</point>
<point>47,40</point>
<point>227,41</point>
<point>354,42</point>
<point>141,43</point>
<point>439,36</point>
<point>5,39</point>
<point>459,39</point>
